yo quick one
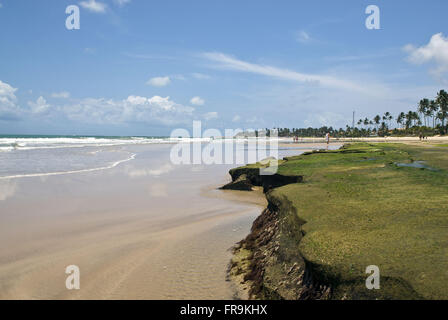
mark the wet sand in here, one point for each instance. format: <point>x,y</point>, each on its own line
<point>145,229</point>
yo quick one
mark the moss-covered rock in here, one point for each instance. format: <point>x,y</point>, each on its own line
<point>353,208</point>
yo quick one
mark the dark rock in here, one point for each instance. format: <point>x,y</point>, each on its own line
<point>241,184</point>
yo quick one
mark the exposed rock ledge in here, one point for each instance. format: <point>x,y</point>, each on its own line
<point>267,264</point>
<point>245,178</point>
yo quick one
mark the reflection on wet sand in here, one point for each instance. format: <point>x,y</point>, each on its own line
<point>145,229</point>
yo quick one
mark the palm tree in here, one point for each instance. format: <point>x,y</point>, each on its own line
<point>434,108</point>
<point>387,117</point>
<point>400,119</point>
<point>416,118</point>
<point>410,117</point>
<point>423,107</point>
<point>366,122</point>
<point>377,120</point>
<point>442,101</point>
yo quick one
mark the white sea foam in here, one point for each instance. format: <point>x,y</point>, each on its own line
<point>30,175</point>
<point>30,143</point>
<point>9,144</point>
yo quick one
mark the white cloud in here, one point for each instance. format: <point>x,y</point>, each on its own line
<point>236,118</point>
<point>159,81</point>
<point>122,3</point>
<point>303,36</point>
<point>232,63</point>
<point>61,95</point>
<point>210,115</point>
<point>197,101</point>
<point>155,110</point>
<point>435,51</point>
<point>94,6</point>
<point>40,106</point>
<point>321,119</point>
<point>9,108</point>
<point>134,109</point>
<point>1,5</point>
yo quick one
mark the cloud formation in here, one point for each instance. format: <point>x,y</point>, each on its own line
<point>197,101</point>
<point>436,51</point>
<point>94,6</point>
<point>122,3</point>
<point>210,115</point>
<point>159,81</point>
<point>303,36</point>
<point>9,110</point>
<point>236,118</point>
<point>155,110</point>
<point>231,63</point>
<point>61,95</point>
<point>40,106</point>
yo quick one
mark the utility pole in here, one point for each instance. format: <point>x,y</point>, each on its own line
<point>353,121</point>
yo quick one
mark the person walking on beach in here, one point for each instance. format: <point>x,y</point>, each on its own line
<point>327,137</point>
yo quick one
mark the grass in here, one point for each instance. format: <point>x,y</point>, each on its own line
<point>362,209</point>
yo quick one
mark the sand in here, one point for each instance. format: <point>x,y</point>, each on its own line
<point>142,230</point>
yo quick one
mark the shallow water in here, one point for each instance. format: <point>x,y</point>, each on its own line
<point>416,164</point>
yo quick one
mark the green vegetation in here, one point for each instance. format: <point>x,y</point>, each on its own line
<point>361,209</point>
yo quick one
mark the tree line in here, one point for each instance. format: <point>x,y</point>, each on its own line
<point>428,119</point>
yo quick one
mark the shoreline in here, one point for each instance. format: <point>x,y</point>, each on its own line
<point>140,230</point>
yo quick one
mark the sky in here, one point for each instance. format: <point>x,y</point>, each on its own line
<point>140,68</point>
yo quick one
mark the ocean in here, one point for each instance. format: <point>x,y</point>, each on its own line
<point>31,156</point>
<point>41,155</point>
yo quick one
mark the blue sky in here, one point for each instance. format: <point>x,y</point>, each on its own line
<point>140,67</point>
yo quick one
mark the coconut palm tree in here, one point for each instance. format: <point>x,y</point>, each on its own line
<point>442,101</point>
<point>434,108</point>
<point>366,122</point>
<point>360,121</point>
<point>387,117</point>
<point>377,120</point>
<point>401,117</point>
<point>423,107</point>
<point>411,117</point>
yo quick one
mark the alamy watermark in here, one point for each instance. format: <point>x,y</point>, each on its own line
<point>73,281</point>
<point>373,280</point>
<point>234,147</point>
<point>73,21</point>
<point>373,20</point>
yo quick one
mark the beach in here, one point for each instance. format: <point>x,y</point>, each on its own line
<point>137,226</point>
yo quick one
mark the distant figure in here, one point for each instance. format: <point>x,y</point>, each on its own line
<point>327,137</point>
